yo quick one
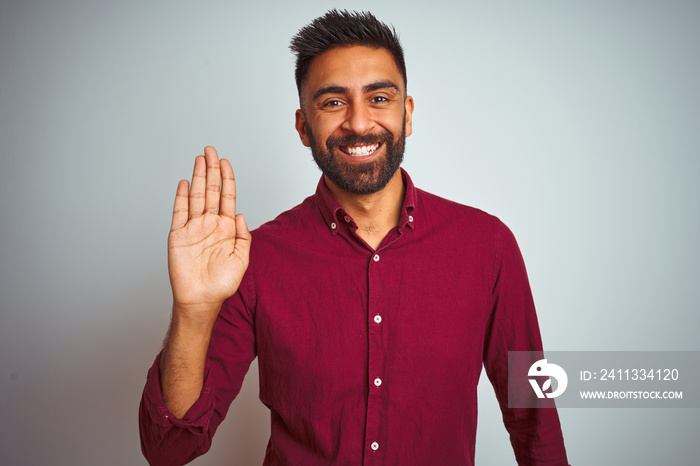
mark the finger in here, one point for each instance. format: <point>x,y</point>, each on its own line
<point>213,193</point>
<point>228,190</point>
<point>199,179</point>
<point>243,238</point>
<point>180,210</point>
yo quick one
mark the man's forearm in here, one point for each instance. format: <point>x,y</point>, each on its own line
<point>184,357</point>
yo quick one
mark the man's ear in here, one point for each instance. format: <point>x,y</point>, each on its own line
<point>409,115</point>
<point>300,125</point>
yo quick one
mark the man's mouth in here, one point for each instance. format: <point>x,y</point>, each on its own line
<point>360,151</point>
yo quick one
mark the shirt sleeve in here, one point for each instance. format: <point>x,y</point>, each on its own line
<point>168,440</point>
<point>535,433</point>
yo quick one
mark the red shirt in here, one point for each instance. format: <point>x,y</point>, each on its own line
<point>368,357</point>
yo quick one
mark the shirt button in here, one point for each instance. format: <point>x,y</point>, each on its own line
<point>378,319</point>
<point>334,226</point>
<point>374,446</point>
<point>347,219</point>
<point>376,258</point>
<point>377,381</point>
<point>410,218</point>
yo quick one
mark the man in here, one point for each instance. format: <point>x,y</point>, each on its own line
<point>371,306</point>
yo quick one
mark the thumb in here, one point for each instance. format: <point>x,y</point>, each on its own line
<point>243,237</point>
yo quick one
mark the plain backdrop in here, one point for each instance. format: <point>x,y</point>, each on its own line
<point>575,122</point>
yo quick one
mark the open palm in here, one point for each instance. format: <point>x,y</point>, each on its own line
<point>208,245</point>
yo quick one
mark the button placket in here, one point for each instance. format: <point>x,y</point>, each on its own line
<point>377,358</point>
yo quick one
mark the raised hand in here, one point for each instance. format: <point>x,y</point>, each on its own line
<point>208,249</point>
<point>208,245</point>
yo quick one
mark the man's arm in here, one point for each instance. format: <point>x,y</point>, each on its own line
<point>534,433</point>
<point>169,440</point>
<point>182,361</point>
<point>208,251</point>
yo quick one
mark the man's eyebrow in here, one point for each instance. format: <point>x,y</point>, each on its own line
<point>380,85</point>
<point>329,90</point>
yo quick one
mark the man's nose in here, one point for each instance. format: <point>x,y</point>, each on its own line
<point>358,119</point>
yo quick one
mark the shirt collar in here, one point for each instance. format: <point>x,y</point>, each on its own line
<point>333,213</point>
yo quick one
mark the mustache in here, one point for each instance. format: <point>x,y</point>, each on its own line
<point>357,140</point>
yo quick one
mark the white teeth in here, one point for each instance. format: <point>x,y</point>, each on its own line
<point>363,150</point>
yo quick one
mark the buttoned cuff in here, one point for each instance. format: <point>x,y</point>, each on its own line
<point>197,418</point>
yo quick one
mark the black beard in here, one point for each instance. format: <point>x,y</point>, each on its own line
<point>360,178</point>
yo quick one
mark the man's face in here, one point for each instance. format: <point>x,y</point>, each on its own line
<point>355,117</point>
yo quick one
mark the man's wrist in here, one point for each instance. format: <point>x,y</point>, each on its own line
<point>195,318</point>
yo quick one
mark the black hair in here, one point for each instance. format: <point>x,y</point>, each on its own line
<point>342,29</point>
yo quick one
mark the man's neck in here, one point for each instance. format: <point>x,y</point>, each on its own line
<point>375,214</point>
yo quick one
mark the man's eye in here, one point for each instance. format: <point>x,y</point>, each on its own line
<point>380,99</point>
<point>333,103</point>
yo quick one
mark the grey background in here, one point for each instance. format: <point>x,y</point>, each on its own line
<point>574,122</point>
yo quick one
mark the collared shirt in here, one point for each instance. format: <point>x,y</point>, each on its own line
<point>369,357</point>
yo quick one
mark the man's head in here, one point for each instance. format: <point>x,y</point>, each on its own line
<point>355,113</point>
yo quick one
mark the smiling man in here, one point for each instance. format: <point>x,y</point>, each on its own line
<point>355,116</point>
<point>372,306</point>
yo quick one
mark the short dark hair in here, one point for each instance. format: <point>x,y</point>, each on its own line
<point>342,29</point>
